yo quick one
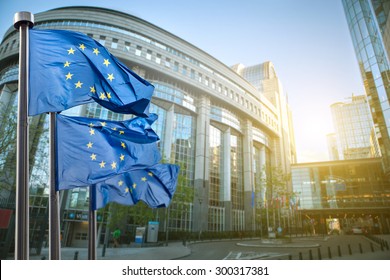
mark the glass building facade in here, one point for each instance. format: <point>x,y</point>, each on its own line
<point>353,125</point>
<point>212,122</point>
<point>369,23</point>
<point>355,192</point>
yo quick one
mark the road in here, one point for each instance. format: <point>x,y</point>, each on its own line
<point>305,248</point>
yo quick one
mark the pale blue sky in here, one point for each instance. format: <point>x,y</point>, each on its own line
<point>307,40</point>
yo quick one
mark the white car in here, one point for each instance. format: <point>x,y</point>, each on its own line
<point>357,230</point>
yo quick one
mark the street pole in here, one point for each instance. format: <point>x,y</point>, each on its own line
<point>22,22</point>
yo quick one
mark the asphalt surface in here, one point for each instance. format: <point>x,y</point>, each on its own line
<point>344,247</point>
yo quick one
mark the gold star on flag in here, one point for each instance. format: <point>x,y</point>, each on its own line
<point>92,89</point>
<point>66,64</point>
<point>93,157</point>
<point>102,164</point>
<point>92,131</point>
<point>134,185</point>
<point>123,145</point>
<point>109,95</point>
<point>121,132</point>
<point>106,62</point>
<point>143,179</point>
<point>78,84</point>
<point>91,125</point>
<point>113,165</point>
<point>71,51</point>
<point>96,51</point>
<point>89,145</point>
<point>103,123</point>
<point>82,46</point>
<point>69,76</point>
<point>102,96</point>
<point>114,129</point>
<point>122,157</point>
<point>110,77</point>
<point>120,183</point>
<point>126,190</point>
<point>150,174</point>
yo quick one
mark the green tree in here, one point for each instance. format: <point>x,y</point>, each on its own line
<point>276,182</point>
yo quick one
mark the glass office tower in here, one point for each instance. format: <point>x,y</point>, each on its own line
<point>369,23</point>
<point>353,126</point>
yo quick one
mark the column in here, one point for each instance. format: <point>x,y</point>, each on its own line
<point>201,183</point>
<point>263,193</point>
<point>169,122</point>
<point>248,175</point>
<point>226,191</point>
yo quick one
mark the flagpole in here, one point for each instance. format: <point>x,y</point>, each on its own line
<point>54,211</point>
<point>22,22</point>
<point>92,225</point>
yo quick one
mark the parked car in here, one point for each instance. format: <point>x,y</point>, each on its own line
<point>358,230</point>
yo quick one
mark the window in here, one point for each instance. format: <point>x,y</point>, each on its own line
<point>192,74</point>
<point>114,43</point>
<point>13,44</point>
<point>127,46</point>
<point>176,67</point>
<point>102,40</point>
<point>168,62</point>
<point>149,54</point>
<point>158,58</point>
<point>184,71</point>
<point>138,51</point>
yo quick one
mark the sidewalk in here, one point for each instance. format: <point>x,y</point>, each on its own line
<point>172,251</point>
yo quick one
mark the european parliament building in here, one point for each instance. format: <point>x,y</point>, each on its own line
<point>224,126</point>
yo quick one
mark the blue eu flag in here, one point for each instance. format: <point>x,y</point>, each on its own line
<point>93,150</point>
<point>68,68</point>
<point>153,185</point>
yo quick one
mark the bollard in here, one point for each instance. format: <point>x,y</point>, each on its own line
<point>300,256</point>
<point>319,253</point>
<point>76,255</point>
<point>339,250</point>
<point>372,247</point>
<point>349,249</point>
<point>360,248</point>
<point>329,253</point>
<point>310,255</point>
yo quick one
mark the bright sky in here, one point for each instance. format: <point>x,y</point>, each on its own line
<point>307,40</point>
